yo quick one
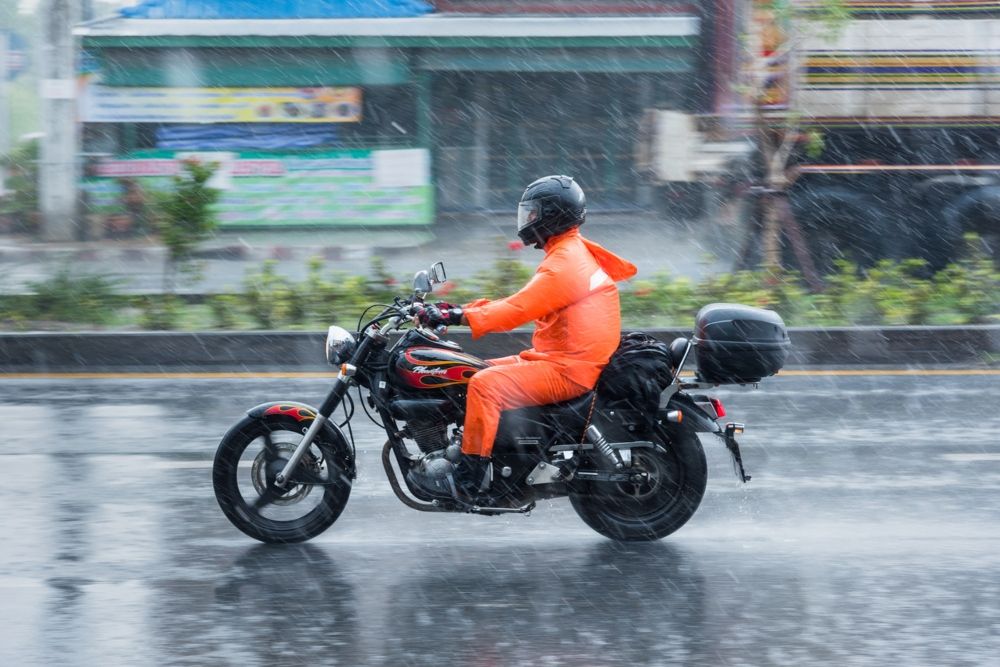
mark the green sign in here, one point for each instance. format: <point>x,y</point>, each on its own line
<point>332,188</point>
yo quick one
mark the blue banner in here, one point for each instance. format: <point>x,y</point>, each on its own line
<point>275,9</point>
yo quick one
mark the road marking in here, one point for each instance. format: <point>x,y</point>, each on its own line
<point>286,375</point>
<point>971,457</point>
<point>195,465</point>
<point>893,371</point>
<point>211,375</point>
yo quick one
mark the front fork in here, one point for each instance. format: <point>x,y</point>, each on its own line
<point>333,399</point>
<point>340,386</point>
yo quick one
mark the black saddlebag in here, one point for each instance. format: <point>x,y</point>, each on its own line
<point>739,344</point>
<point>637,372</point>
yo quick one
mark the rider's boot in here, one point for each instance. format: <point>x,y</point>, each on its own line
<point>465,480</point>
<point>472,477</point>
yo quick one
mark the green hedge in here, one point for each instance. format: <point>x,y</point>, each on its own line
<point>889,293</point>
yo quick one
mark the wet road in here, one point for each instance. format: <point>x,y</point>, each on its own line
<point>870,535</point>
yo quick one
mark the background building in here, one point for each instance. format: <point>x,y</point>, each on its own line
<point>321,113</point>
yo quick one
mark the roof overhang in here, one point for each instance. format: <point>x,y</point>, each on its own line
<point>434,30</point>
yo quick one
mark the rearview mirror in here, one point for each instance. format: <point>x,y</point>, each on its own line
<point>422,282</point>
<point>438,274</point>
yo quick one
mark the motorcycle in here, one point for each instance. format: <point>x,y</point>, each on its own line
<point>631,471</point>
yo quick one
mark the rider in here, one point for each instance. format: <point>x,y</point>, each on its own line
<point>573,301</point>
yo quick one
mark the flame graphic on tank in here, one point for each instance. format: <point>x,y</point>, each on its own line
<point>434,368</point>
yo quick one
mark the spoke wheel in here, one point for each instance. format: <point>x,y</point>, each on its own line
<point>247,462</point>
<point>669,483</point>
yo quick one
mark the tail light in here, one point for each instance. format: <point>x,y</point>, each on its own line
<point>720,410</point>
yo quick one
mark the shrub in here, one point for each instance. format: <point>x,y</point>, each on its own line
<point>790,297</point>
<point>226,310</point>
<point>898,293</point>
<point>160,312</point>
<point>340,298</point>
<point>70,298</point>
<point>746,287</point>
<point>891,292</point>
<point>384,285</point>
<point>846,299</point>
<point>969,290</point>
<point>641,300</point>
<point>272,300</point>
<point>184,216</point>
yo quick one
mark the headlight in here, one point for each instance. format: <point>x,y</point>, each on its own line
<point>340,345</point>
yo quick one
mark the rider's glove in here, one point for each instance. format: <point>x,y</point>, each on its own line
<point>430,316</point>
<point>452,313</point>
<point>433,315</point>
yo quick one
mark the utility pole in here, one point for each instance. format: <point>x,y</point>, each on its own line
<point>57,169</point>
<point>4,102</point>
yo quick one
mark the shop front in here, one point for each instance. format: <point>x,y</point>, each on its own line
<point>528,124</point>
<point>381,121</point>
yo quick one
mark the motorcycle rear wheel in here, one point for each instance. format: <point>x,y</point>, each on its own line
<point>678,475</point>
<point>234,479</point>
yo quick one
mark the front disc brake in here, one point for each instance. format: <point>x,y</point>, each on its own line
<point>284,450</point>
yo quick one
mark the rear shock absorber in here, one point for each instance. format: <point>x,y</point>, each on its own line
<point>602,445</point>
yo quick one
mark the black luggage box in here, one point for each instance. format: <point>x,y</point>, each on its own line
<point>739,344</point>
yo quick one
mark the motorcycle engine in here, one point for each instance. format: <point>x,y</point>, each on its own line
<point>430,436</point>
<point>439,453</point>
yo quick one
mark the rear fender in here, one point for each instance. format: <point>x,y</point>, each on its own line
<point>694,418</point>
<point>283,412</point>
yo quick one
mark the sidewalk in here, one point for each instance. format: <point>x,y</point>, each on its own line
<point>466,247</point>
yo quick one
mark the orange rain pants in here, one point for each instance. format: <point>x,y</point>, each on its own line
<point>573,301</point>
<point>510,382</point>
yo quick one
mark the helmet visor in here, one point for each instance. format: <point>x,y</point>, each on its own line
<point>528,213</point>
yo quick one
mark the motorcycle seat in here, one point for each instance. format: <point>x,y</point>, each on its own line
<point>575,409</point>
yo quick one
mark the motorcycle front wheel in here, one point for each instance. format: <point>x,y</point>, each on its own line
<point>676,475</point>
<point>246,462</point>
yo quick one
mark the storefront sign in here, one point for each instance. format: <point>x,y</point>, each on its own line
<point>332,188</point>
<point>106,104</point>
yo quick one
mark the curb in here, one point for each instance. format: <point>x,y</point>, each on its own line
<point>284,351</point>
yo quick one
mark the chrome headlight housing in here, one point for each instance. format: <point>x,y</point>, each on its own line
<point>340,345</point>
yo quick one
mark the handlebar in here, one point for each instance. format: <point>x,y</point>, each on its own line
<point>440,329</point>
<point>404,309</point>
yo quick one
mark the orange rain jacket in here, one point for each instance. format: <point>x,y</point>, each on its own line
<point>573,300</point>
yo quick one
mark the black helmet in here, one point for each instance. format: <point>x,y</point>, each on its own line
<point>549,206</point>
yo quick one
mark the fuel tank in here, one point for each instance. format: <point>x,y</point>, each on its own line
<point>433,367</point>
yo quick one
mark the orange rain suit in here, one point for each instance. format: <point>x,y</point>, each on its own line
<point>573,301</point>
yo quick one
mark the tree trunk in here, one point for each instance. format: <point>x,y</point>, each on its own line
<point>771,240</point>
<point>749,252</point>
<point>793,231</point>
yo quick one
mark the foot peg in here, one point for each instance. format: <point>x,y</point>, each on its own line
<point>552,473</point>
